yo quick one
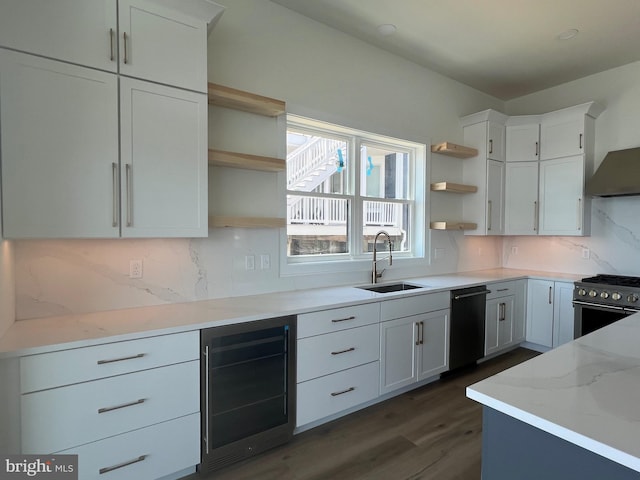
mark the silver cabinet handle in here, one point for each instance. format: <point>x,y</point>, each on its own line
<point>337,320</point>
<point>124,405</point>
<point>502,312</point>
<point>111,57</point>
<point>206,397</point>
<point>123,464</point>
<point>343,351</point>
<point>579,218</point>
<point>550,299</point>
<point>121,359</point>
<point>580,142</point>
<point>342,392</point>
<point>537,147</point>
<point>490,211</point>
<point>467,295</point>
<point>490,145</point>
<point>502,290</point>
<point>417,333</point>
<point>421,333</point>
<point>129,173</point>
<point>535,216</point>
<point>114,182</point>
<point>124,36</point>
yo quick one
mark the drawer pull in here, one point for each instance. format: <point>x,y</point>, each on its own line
<point>344,351</point>
<point>102,362</point>
<point>502,290</point>
<point>337,320</point>
<point>123,464</point>
<point>124,405</point>
<point>350,389</point>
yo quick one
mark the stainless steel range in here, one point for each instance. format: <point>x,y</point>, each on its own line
<point>604,299</point>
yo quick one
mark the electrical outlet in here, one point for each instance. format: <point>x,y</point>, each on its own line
<point>514,250</point>
<point>250,262</point>
<point>135,269</point>
<point>586,253</point>
<point>265,261</point>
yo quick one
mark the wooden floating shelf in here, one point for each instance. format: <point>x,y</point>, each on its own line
<point>220,158</point>
<point>453,150</point>
<point>453,187</point>
<point>246,222</point>
<point>453,226</point>
<point>247,102</point>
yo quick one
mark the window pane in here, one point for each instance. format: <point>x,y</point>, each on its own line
<point>316,163</point>
<point>316,226</point>
<point>393,218</point>
<point>384,172</point>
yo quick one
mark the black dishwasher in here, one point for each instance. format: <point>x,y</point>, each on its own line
<point>466,340</point>
<point>248,389</point>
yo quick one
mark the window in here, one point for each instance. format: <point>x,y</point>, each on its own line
<point>344,186</point>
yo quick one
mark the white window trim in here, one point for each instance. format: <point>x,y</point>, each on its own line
<point>361,261</point>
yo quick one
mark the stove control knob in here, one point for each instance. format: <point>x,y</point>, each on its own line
<point>593,293</point>
<point>604,295</point>
<point>582,292</point>
<point>632,298</point>
<point>616,296</point>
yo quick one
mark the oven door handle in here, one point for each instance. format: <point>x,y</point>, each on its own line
<point>598,306</point>
<point>631,311</point>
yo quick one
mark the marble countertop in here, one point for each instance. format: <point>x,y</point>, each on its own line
<point>586,392</point>
<point>27,337</point>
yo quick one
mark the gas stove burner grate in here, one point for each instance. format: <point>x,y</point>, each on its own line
<point>619,280</point>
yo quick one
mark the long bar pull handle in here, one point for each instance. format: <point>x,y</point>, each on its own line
<point>207,368</point>
<point>124,405</point>
<point>343,351</point>
<point>124,36</point>
<point>502,314</point>
<point>111,56</point>
<point>550,298</point>
<point>421,333</point>
<point>580,142</point>
<point>490,145</point>
<point>535,216</point>
<point>490,211</point>
<point>123,464</point>
<point>121,359</point>
<point>342,392</point>
<point>467,295</point>
<point>579,218</point>
<point>337,320</point>
<point>417,333</point>
<point>502,290</point>
<point>128,170</point>
<point>114,183</point>
<point>537,148</point>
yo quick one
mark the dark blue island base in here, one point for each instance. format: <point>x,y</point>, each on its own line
<point>514,450</point>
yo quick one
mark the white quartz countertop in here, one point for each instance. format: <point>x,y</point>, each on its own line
<point>586,392</point>
<point>27,337</point>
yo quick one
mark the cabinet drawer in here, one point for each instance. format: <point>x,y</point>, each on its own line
<point>502,289</point>
<point>336,319</point>
<point>86,412</point>
<point>48,370</point>
<point>151,452</point>
<point>325,354</point>
<point>415,305</point>
<point>325,396</point>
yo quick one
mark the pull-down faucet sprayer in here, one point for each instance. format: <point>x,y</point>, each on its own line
<point>375,275</point>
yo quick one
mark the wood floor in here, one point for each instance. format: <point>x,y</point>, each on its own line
<point>433,432</point>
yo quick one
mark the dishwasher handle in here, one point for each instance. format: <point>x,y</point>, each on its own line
<point>467,295</point>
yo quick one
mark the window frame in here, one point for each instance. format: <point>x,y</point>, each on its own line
<point>356,259</point>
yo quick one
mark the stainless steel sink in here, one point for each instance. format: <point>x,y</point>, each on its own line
<point>390,287</point>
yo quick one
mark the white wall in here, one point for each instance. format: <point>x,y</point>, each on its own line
<point>264,48</point>
<point>614,243</point>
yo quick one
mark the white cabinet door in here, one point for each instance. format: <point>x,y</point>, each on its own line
<point>562,136</point>
<point>523,143</point>
<point>520,311</point>
<point>398,353</point>
<point>163,161</point>
<point>495,197</point>
<point>77,31</point>
<point>491,326</point>
<point>162,45</point>
<point>563,313</point>
<point>540,312</point>
<point>499,324</point>
<point>59,149</point>
<point>495,141</point>
<point>562,196</point>
<point>433,351</point>
<point>521,198</point>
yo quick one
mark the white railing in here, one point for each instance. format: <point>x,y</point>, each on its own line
<point>333,211</point>
<point>383,213</point>
<point>310,157</point>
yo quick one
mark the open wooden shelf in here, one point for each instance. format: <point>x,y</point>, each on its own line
<point>453,150</point>
<point>222,158</point>
<point>453,187</point>
<point>216,221</point>
<point>247,102</point>
<point>453,226</point>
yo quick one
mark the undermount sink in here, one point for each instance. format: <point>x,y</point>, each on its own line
<point>390,287</point>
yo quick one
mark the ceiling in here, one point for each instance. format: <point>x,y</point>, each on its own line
<point>506,48</point>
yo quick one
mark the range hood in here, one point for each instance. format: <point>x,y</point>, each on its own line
<point>617,175</point>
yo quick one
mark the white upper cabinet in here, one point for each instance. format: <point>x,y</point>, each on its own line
<point>523,142</point>
<point>59,130</point>
<point>521,198</point>
<point>76,31</point>
<point>495,140</point>
<point>495,197</point>
<point>163,163</point>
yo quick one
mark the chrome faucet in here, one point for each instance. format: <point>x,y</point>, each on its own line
<point>375,275</point>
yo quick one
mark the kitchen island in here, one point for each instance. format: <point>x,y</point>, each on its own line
<point>573,412</point>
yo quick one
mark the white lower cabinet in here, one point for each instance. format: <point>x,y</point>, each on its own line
<point>550,316</point>
<point>505,316</point>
